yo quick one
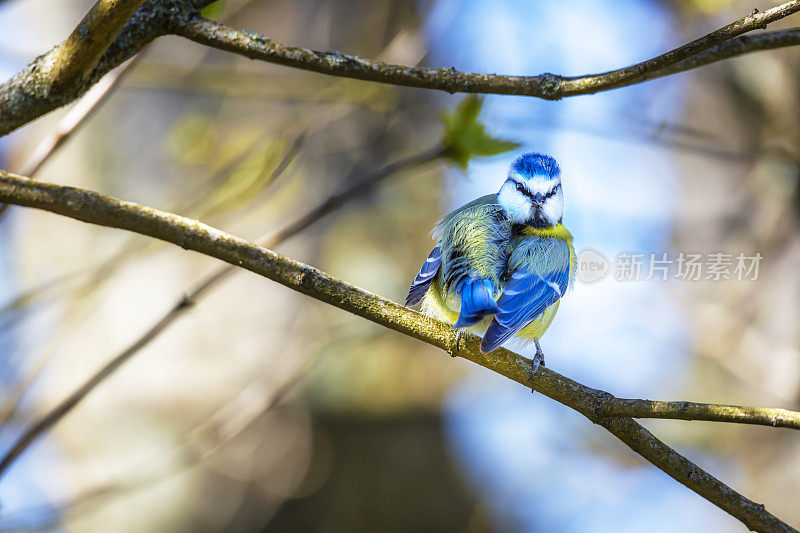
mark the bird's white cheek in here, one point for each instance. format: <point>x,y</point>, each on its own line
<point>517,205</point>
<point>553,209</point>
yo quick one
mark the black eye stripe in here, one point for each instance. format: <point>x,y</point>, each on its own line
<point>521,188</point>
<point>537,197</point>
<point>552,192</point>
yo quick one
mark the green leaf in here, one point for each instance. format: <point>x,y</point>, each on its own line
<point>214,9</point>
<point>466,138</point>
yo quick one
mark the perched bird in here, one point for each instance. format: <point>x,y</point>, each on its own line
<point>502,262</point>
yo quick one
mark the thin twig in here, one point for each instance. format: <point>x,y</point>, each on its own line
<point>86,106</point>
<point>103,210</point>
<point>761,416</point>
<point>213,433</point>
<point>10,407</point>
<point>357,189</point>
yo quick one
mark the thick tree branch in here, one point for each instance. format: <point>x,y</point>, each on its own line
<point>96,208</point>
<point>762,416</point>
<point>713,47</point>
<point>31,93</point>
<point>73,59</point>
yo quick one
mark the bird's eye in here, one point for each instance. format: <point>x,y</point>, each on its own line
<point>520,188</point>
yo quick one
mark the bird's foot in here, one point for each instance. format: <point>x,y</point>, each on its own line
<point>538,360</point>
<point>454,349</point>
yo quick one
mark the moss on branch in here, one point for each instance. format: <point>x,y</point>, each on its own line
<point>762,416</point>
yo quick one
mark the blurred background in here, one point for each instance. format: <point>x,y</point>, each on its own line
<point>261,409</point>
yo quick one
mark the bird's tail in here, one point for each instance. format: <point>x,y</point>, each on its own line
<point>477,301</point>
<point>426,275</point>
<point>495,336</point>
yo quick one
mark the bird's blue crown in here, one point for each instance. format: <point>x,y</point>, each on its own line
<point>534,164</point>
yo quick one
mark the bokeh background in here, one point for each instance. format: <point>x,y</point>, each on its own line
<point>264,410</point>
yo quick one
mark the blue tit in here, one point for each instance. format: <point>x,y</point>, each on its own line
<point>502,262</point>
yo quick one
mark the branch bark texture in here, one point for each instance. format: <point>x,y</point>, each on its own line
<point>74,58</point>
<point>715,46</point>
<point>39,89</point>
<point>96,208</point>
<point>52,80</point>
<point>761,416</point>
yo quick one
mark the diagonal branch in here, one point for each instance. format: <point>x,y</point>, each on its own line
<point>73,59</point>
<point>738,46</point>
<point>713,47</point>
<point>762,416</point>
<point>96,208</point>
<point>42,86</point>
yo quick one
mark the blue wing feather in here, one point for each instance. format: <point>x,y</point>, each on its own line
<point>526,295</point>
<point>425,277</point>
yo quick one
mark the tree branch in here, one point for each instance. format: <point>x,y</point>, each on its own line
<point>96,208</point>
<point>35,90</point>
<point>73,59</point>
<point>759,42</point>
<point>713,47</point>
<point>32,93</point>
<point>762,416</point>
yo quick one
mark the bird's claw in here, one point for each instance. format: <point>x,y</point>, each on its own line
<point>459,336</point>
<point>538,360</point>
